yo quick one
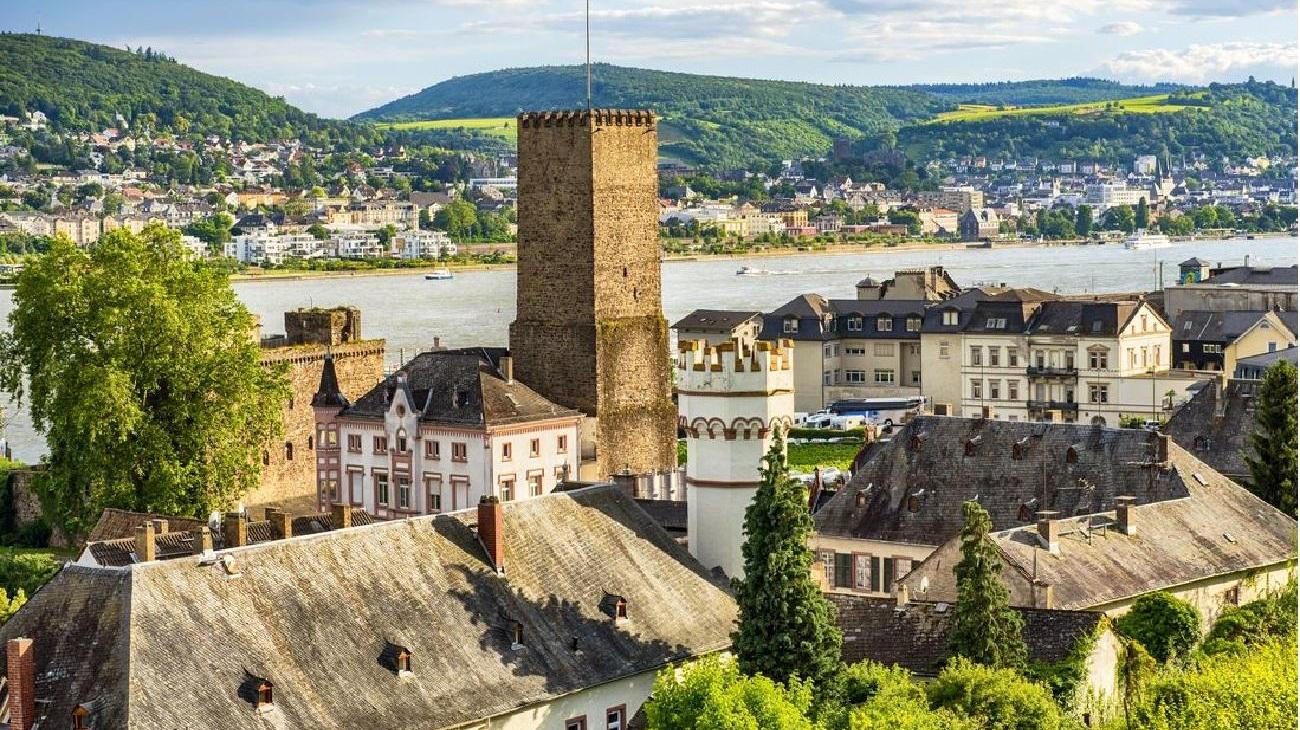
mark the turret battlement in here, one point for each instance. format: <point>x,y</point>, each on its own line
<point>734,366</point>
<point>584,117</point>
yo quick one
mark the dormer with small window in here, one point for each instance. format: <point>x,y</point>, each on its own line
<point>397,659</point>
<point>259,692</point>
<point>790,325</point>
<point>615,607</point>
<point>853,324</point>
<point>950,317</point>
<point>516,636</point>
<point>884,323</point>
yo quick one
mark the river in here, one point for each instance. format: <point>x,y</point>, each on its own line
<point>476,307</point>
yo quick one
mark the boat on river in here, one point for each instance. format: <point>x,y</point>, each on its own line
<point>438,275</point>
<point>1145,240</point>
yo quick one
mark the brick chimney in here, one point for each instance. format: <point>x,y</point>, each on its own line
<point>203,540</point>
<point>281,523</point>
<point>234,530</point>
<point>1125,508</point>
<point>22,684</point>
<point>491,532</point>
<point>342,514</point>
<point>1049,531</point>
<point>145,548</point>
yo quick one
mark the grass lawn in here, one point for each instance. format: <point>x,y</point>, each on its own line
<point>1153,104</point>
<point>806,457</point>
<point>502,126</point>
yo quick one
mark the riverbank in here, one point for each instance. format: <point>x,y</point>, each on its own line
<point>832,249</point>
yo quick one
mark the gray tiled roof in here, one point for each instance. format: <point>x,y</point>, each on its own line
<point>1219,528</point>
<point>1215,425</point>
<point>913,487</point>
<point>115,524</point>
<point>1199,325</point>
<point>461,387</point>
<point>178,641</point>
<point>1250,275</point>
<point>915,636</point>
<point>722,320</point>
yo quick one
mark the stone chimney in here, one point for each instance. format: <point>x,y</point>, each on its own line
<point>1042,594</point>
<point>281,523</point>
<point>1125,513</point>
<point>491,532</point>
<point>625,480</point>
<point>145,548</point>
<point>234,530</point>
<point>1049,531</point>
<point>900,595</point>
<point>159,527</point>
<point>22,683</point>
<point>342,514</point>
<point>508,368</point>
<point>1162,448</point>
<point>203,540</point>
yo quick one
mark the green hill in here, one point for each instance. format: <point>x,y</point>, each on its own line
<point>1042,92</point>
<point>83,86</point>
<point>712,120</point>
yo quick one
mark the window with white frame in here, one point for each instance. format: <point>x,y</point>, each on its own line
<point>1098,393</point>
<point>403,492</point>
<point>883,376</point>
<point>995,356</point>
<point>995,389</point>
<point>950,317</point>
<point>855,376</point>
<point>790,325</point>
<point>913,324</point>
<point>854,324</point>
<point>976,355</point>
<point>976,389</point>
<point>884,324</point>
<point>381,489</point>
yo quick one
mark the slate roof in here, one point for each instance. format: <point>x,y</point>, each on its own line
<point>1201,325</point>
<point>1256,276</point>
<point>914,485</point>
<point>120,552</point>
<point>328,392</point>
<point>1215,425</point>
<point>721,320</point>
<point>1086,319</point>
<point>115,524</point>
<point>1217,529</point>
<point>812,309</point>
<point>178,642</point>
<point>463,387</point>
<point>915,636</point>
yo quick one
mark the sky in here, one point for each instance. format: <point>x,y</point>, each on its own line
<point>338,58</point>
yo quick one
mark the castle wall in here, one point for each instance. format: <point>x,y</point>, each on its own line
<point>288,477</point>
<point>590,332</point>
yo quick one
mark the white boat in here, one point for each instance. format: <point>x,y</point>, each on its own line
<point>1144,240</point>
<point>438,275</point>
<point>751,271</point>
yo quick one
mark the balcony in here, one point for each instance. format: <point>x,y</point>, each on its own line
<point>1043,371</point>
<point>1054,405</point>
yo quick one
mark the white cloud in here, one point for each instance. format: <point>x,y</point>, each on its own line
<point>1121,28</point>
<point>1201,63</point>
<point>1230,8</point>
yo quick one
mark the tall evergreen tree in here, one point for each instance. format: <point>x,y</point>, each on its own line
<point>984,628</point>
<point>785,625</point>
<point>1143,214</point>
<point>1272,453</point>
<point>1083,220</point>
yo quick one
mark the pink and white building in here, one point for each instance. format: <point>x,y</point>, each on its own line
<point>447,428</point>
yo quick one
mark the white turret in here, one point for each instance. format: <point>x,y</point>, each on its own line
<point>729,398</point>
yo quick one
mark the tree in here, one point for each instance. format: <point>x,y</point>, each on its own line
<point>876,697</point>
<point>1167,627</point>
<point>1136,668</point>
<point>138,368</point>
<point>1254,624</point>
<point>1120,217</point>
<point>984,627</point>
<point>318,232</point>
<point>1083,221</point>
<point>785,625</point>
<point>457,218</point>
<point>8,606</point>
<point>712,693</point>
<point>1001,698</point>
<point>1143,216</point>
<point>1271,457</point>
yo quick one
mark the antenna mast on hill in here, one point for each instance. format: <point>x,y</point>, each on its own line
<point>588,56</point>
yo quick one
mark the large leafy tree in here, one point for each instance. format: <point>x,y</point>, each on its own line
<point>785,627</point>
<point>1271,457</point>
<point>985,629</point>
<point>712,693</point>
<point>1166,626</point>
<point>140,369</point>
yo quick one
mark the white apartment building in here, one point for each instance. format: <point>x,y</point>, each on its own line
<point>425,244</point>
<point>1074,361</point>
<point>1110,194</point>
<point>256,248</point>
<point>357,245</point>
<point>447,428</point>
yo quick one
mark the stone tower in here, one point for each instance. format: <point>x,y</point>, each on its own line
<point>729,398</point>
<point>589,332</point>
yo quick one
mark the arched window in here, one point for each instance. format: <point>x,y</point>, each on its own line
<point>266,458</point>
<point>288,451</point>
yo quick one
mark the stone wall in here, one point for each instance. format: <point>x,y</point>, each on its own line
<point>590,332</point>
<point>289,463</point>
<point>332,326</point>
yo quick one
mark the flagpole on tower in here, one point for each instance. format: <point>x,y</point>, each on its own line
<point>588,55</point>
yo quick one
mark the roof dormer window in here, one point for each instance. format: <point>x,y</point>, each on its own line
<point>403,663</point>
<point>265,698</point>
<point>854,324</point>
<point>790,325</point>
<point>884,324</point>
<point>950,317</point>
<point>516,635</point>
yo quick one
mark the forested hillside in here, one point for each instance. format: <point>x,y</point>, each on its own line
<point>1232,120</point>
<point>1052,91</point>
<point>84,86</point>
<point>714,120</point>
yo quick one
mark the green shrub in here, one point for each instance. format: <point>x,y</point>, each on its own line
<point>1259,622</point>
<point>1168,628</point>
<point>997,699</point>
<point>875,697</point>
<point>1254,690</point>
<point>25,571</point>
<point>850,434</point>
<point>806,457</point>
<point>712,693</point>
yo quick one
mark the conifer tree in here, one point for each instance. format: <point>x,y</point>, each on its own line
<point>1143,217</point>
<point>785,625</point>
<point>985,629</point>
<point>1271,457</point>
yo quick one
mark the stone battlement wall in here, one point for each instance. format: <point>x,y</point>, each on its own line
<point>584,117</point>
<point>734,368</point>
